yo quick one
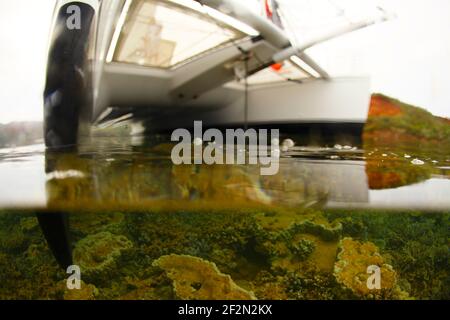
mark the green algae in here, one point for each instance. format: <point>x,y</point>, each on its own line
<point>97,254</point>
<point>418,244</point>
<point>293,258</point>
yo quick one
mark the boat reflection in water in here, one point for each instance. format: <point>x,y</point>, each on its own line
<point>145,177</point>
<point>134,174</point>
<point>143,228</point>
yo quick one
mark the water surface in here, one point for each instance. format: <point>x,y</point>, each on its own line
<point>129,173</point>
<point>143,228</point>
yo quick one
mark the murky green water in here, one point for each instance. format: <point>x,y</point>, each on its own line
<point>142,228</point>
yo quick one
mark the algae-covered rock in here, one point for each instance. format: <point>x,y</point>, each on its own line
<point>327,231</point>
<point>302,249</point>
<point>197,279</point>
<point>311,285</point>
<point>307,222</point>
<point>12,237</point>
<point>86,292</point>
<point>97,254</point>
<point>83,224</point>
<point>269,287</point>
<point>351,267</point>
<point>297,240</point>
<point>28,224</point>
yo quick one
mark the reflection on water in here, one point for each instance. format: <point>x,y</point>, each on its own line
<point>142,228</point>
<point>120,173</point>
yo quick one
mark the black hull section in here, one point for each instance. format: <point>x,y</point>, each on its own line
<point>55,227</point>
<point>316,133</point>
<point>68,94</point>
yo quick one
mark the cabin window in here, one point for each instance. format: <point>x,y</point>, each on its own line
<point>164,34</point>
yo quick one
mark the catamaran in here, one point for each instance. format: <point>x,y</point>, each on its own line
<point>167,63</point>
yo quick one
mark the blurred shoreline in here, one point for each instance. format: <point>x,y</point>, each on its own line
<point>24,133</point>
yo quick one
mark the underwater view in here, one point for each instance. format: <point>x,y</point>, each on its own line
<point>140,227</point>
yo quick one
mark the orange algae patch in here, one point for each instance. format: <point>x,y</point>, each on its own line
<point>382,107</point>
<point>383,180</point>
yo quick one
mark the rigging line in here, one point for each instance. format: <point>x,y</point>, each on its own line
<point>246,54</point>
<point>246,58</point>
<point>262,63</point>
<point>246,94</point>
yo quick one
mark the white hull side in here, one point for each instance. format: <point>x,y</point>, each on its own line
<point>342,100</point>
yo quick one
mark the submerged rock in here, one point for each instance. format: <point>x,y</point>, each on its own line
<point>292,223</point>
<point>302,248</point>
<point>197,279</point>
<point>96,254</point>
<point>87,292</point>
<point>351,273</point>
<point>296,242</point>
<point>84,224</point>
<point>28,224</point>
<point>324,230</point>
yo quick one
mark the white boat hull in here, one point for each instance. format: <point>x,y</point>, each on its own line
<point>336,101</point>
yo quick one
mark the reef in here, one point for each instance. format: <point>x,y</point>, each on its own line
<point>296,241</point>
<point>351,273</point>
<point>13,235</point>
<point>86,223</point>
<point>86,292</point>
<point>301,253</point>
<point>307,221</point>
<point>312,285</point>
<point>197,279</point>
<point>302,249</point>
<point>416,242</point>
<point>325,231</point>
<point>28,269</point>
<point>97,254</point>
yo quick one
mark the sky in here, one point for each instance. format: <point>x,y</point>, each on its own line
<point>407,58</point>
